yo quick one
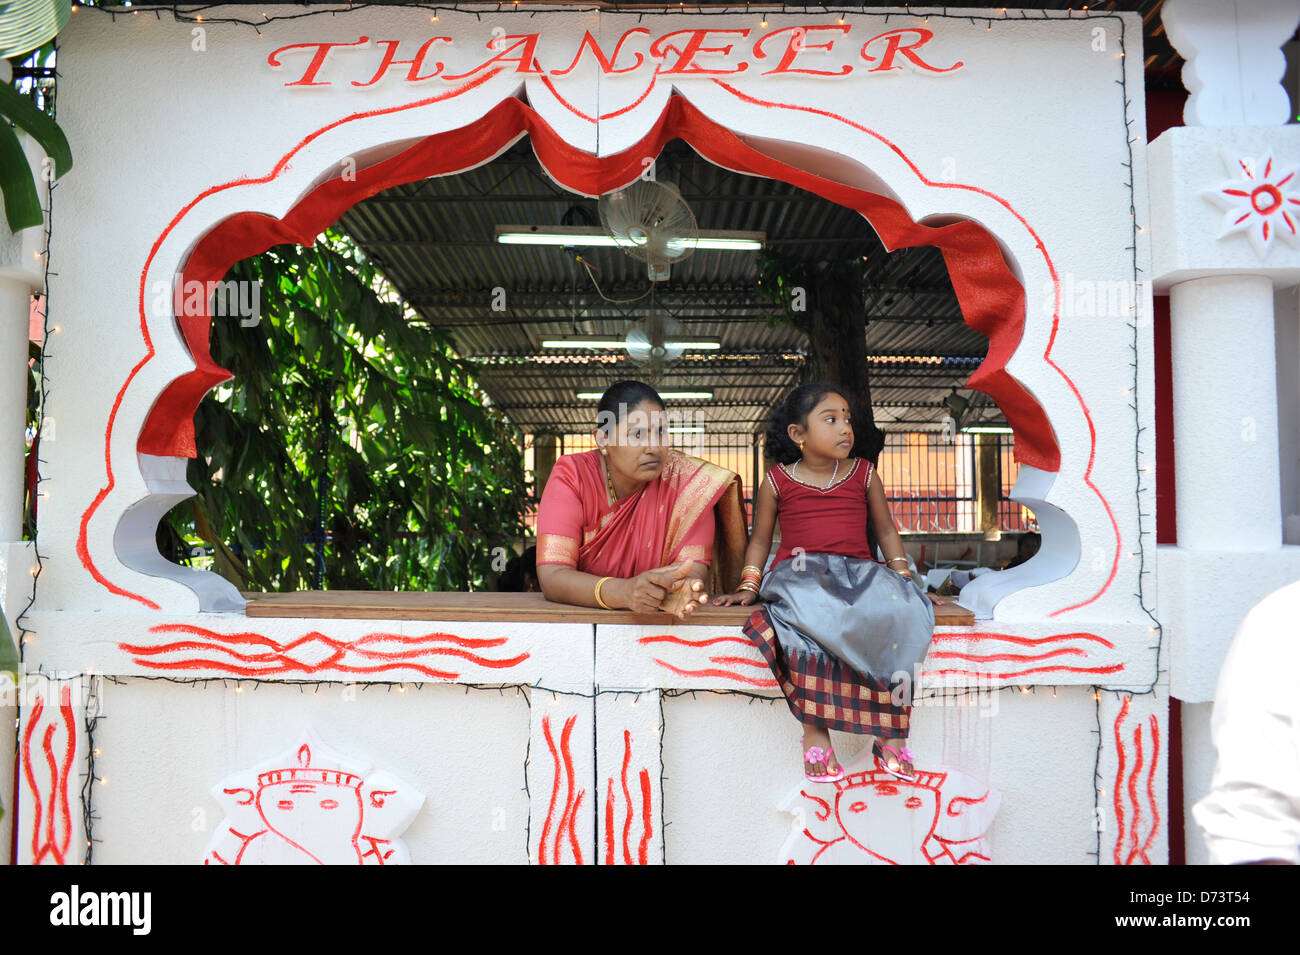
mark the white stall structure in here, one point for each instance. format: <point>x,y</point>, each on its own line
<point>164,717</point>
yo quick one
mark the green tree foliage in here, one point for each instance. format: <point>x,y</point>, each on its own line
<point>345,412</point>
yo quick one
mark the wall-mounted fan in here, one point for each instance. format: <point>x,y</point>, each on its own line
<point>651,222</point>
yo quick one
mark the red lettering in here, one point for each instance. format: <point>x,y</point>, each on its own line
<point>525,62</point>
<point>606,64</point>
<point>417,61</point>
<point>797,43</point>
<point>317,61</point>
<point>695,45</point>
<point>894,46</point>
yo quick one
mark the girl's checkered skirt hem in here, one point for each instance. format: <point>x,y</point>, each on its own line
<point>823,691</point>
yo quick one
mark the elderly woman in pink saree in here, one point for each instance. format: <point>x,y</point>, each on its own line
<point>636,525</point>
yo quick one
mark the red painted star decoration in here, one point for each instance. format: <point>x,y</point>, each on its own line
<point>1261,202</point>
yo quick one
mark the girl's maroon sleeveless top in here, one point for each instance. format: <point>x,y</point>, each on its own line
<point>823,521</point>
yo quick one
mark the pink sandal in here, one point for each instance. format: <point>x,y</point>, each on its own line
<point>902,755</point>
<point>815,754</point>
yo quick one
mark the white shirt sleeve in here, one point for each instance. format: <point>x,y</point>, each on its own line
<point>1252,811</point>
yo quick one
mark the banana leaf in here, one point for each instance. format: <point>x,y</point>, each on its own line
<point>8,650</point>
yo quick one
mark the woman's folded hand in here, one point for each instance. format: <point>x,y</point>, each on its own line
<point>670,589</point>
<point>684,597</point>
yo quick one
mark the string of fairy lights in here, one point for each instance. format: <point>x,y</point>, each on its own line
<point>200,14</point>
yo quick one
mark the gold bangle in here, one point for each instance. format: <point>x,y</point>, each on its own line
<point>749,567</point>
<point>599,583</point>
<point>745,585</point>
<point>892,559</point>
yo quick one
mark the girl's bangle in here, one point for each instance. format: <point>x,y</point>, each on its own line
<point>892,559</point>
<point>599,584</point>
<point>747,585</point>
<point>750,567</point>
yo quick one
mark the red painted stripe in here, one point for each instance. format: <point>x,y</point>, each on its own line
<point>1133,796</point>
<point>555,786</point>
<point>33,719</point>
<point>1151,796</point>
<point>647,829</point>
<point>722,674</point>
<point>627,797</point>
<point>739,661</point>
<point>1113,668</point>
<point>669,638</point>
<point>565,820</point>
<point>989,657</point>
<point>1119,776</point>
<point>573,836</point>
<point>222,667</point>
<point>1023,641</point>
<point>65,771</point>
<point>609,824</point>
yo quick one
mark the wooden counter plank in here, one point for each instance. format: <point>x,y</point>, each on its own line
<point>524,607</point>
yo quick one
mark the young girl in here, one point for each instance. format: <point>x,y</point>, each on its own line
<point>836,625</point>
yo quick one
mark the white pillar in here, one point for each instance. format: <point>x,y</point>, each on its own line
<point>15,308</point>
<point>1225,414</point>
<point>22,272</point>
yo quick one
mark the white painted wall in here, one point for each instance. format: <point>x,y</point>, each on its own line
<point>1050,183</point>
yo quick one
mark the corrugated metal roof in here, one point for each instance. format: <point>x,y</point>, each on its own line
<point>435,240</point>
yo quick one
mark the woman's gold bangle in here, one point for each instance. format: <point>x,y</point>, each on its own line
<point>748,567</point>
<point>892,559</point>
<point>746,585</point>
<point>599,583</point>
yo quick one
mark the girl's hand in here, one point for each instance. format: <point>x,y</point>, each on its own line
<point>742,597</point>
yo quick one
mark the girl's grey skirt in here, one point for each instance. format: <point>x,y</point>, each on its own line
<point>843,636</point>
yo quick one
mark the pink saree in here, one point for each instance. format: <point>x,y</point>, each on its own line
<point>692,510</point>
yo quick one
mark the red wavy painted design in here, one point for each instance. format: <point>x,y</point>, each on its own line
<point>555,789</point>
<point>51,817</point>
<point>669,638</point>
<point>259,655</point>
<point>1119,777</point>
<point>969,635</point>
<point>1014,674</point>
<point>1138,851</point>
<point>1151,796</point>
<point>647,827</point>
<point>993,657</point>
<point>1136,822</point>
<point>717,674</point>
<point>609,824</point>
<point>553,832</point>
<point>627,797</point>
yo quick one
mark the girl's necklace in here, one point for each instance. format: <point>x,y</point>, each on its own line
<point>795,470</point>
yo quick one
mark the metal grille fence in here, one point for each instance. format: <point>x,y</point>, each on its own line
<point>929,477</point>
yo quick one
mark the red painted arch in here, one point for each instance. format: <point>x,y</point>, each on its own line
<point>991,299</point>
